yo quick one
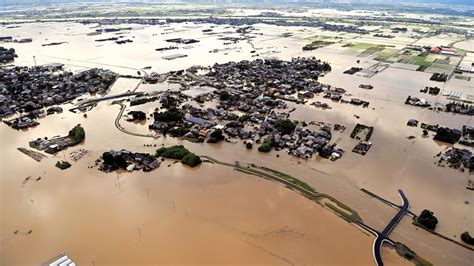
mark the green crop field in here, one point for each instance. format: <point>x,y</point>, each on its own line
<point>385,54</point>
<point>420,60</point>
<point>442,66</point>
<point>362,45</point>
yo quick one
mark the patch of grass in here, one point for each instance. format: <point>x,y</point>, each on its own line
<point>431,57</point>
<point>362,45</point>
<point>316,44</point>
<point>460,52</point>
<point>410,255</point>
<point>291,179</point>
<point>420,60</point>
<point>343,214</point>
<point>385,54</point>
<point>442,66</point>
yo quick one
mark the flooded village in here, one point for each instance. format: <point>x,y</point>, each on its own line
<point>143,134</point>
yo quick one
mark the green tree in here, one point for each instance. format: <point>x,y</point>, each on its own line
<point>191,160</point>
<point>266,146</point>
<point>171,115</point>
<point>77,133</point>
<point>249,145</point>
<point>285,126</point>
<point>427,219</point>
<point>466,237</point>
<point>224,95</point>
<point>216,136</point>
<point>177,152</point>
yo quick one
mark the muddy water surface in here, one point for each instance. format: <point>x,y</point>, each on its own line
<point>176,215</point>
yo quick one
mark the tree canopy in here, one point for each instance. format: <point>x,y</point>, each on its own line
<point>285,126</point>
<point>466,237</point>
<point>179,152</point>
<point>266,146</point>
<point>216,136</point>
<point>171,115</point>
<point>191,160</point>
<point>427,219</point>
<point>77,133</point>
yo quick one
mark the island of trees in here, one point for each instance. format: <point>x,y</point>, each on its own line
<point>467,238</point>
<point>427,220</point>
<point>179,152</point>
<point>7,55</point>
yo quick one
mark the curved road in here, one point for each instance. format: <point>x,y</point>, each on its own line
<point>119,127</point>
<point>383,237</point>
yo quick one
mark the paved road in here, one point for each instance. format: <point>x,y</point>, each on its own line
<point>119,127</point>
<point>383,236</point>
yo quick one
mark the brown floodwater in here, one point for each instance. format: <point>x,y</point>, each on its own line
<point>212,214</point>
<point>208,215</point>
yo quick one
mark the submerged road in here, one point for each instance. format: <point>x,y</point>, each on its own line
<point>383,237</point>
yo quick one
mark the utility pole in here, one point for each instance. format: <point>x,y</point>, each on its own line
<point>34,59</point>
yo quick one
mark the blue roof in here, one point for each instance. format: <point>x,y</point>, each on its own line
<point>197,120</point>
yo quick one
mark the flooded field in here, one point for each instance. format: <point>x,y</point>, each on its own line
<point>467,45</point>
<point>188,215</point>
<point>213,214</point>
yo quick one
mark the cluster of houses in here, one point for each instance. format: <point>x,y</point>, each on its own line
<point>118,21</point>
<point>451,107</point>
<point>295,75</point>
<point>269,79</point>
<point>467,136</point>
<point>464,136</point>
<point>30,119</point>
<point>182,41</point>
<point>336,95</point>
<point>415,101</point>
<point>251,100</point>
<point>455,30</point>
<point>313,23</point>
<point>459,108</point>
<point>458,159</point>
<point>22,122</point>
<point>200,124</point>
<point>127,160</point>
<point>304,142</point>
<point>31,89</point>
<point>56,144</point>
<point>442,50</point>
<point>431,90</point>
<point>50,146</point>
<point>362,133</point>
